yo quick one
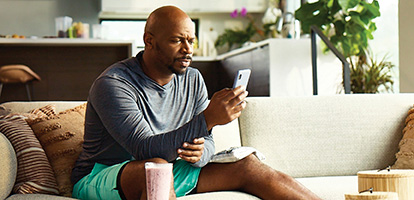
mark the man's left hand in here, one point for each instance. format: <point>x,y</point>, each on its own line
<point>192,152</point>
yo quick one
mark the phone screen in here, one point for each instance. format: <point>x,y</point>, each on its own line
<point>242,78</point>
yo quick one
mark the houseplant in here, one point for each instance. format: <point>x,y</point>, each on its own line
<point>236,38</point>
<point>347,23</point>
<point>369,75</point>
<point>349,26</point>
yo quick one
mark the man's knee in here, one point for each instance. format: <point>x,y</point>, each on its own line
<point>250,161</point>
<point>157,160</point>
<point>137,168</point>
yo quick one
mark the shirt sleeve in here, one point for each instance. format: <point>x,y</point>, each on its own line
<point>209,146</point>
<point>115,104</point>
<point>209,150</point>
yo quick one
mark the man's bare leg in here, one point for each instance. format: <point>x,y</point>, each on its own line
<point>251,176</point>
<point>133,182</point>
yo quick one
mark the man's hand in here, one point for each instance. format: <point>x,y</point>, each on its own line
<point>225,106</point>
<point>192,152</point>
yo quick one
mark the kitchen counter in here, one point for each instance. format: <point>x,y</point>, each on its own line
<point>59,41</point>
<point>67,67</point>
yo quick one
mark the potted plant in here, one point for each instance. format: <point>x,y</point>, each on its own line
<point>349,26</point>
<point>236,38</point>
<point>369,75</point>
<point>347,23</point>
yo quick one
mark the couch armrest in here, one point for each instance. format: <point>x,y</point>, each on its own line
<point>8,169</point>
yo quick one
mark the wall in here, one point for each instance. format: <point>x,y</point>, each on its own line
<point>406,34</point>
<point>37,17</point>
<point>386,38</point>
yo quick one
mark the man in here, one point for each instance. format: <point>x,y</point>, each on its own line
<point>154,107</point>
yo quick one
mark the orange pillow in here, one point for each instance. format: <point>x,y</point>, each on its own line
<point>405,157</point>
<point>61,136</point>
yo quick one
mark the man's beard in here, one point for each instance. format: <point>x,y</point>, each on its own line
<point>179,72</point>
<point>170,67</point>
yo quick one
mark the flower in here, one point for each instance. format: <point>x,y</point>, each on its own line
<point>234,14</point>
<point>243,12</point>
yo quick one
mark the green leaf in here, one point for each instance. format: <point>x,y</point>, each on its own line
<point>365,18</point>
<point>335,7</point>
<point>330,3</point>
<point>373,8</point>
<point>312,14</point>
<point>347,4</point>
<point>369,35</point>
<point>339,27</point>
<point>355,18</point>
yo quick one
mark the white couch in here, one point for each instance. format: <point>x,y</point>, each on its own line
<point>322,141</point>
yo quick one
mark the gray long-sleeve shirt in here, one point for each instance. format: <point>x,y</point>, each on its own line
<point>129,115</point>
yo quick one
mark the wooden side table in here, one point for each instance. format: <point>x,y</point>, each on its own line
<point>394,180</point>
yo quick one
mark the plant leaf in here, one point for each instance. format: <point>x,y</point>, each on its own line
<point>347,4</point>
<point>312,14</point>
<point>372,8</point>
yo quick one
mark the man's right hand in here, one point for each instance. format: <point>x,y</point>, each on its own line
<point>225,106</point>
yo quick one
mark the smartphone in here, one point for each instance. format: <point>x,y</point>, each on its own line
<point>242,78</point>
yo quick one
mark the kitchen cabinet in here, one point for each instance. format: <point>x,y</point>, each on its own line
<point>67,67</point>
<point>280,67</point>
<point>190,6</point>
<point>256,59</point>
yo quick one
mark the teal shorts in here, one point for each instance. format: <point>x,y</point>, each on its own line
<point>101,183</point>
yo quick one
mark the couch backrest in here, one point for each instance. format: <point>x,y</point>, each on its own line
<point>326,135</point>
<point>225,136</point>
<point>25,106</point>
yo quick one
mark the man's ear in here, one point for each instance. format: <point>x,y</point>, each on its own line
<point>148,40</point>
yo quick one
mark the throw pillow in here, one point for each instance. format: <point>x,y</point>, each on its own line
<point>45,111</point>
<point>4,110</point>
<point>34,173</point>
<point>405,157</point>
<point>61,136</point>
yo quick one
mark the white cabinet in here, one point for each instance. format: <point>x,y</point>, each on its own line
<point>190,6</point>
<point>288,64</point>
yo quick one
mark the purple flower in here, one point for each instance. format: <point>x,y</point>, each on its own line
<point>243,12</point>
<point>234,14</point>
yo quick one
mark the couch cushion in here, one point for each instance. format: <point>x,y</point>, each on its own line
<point>37,197</point>
<point>61,137</point>
<point>8,169</point>
<point>227,195</point>
<point>326,135</point>
<point>34,173</point>
<point>226,136</point>
<point>331,187</point>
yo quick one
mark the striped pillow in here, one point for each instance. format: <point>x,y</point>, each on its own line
<point>34,173</point>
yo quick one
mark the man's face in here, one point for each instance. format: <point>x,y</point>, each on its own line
<point>174,46</point>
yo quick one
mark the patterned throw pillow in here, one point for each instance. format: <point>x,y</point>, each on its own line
<point>405,157</point>
<point>61,136</point>
<point>34,173</point>
<point>45,111</point>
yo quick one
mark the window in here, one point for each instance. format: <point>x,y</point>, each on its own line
<point>129,29</point>
<point>125,30</point>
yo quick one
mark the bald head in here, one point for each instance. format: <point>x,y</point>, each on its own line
<point>169,37</point>
<point>165,18</point>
